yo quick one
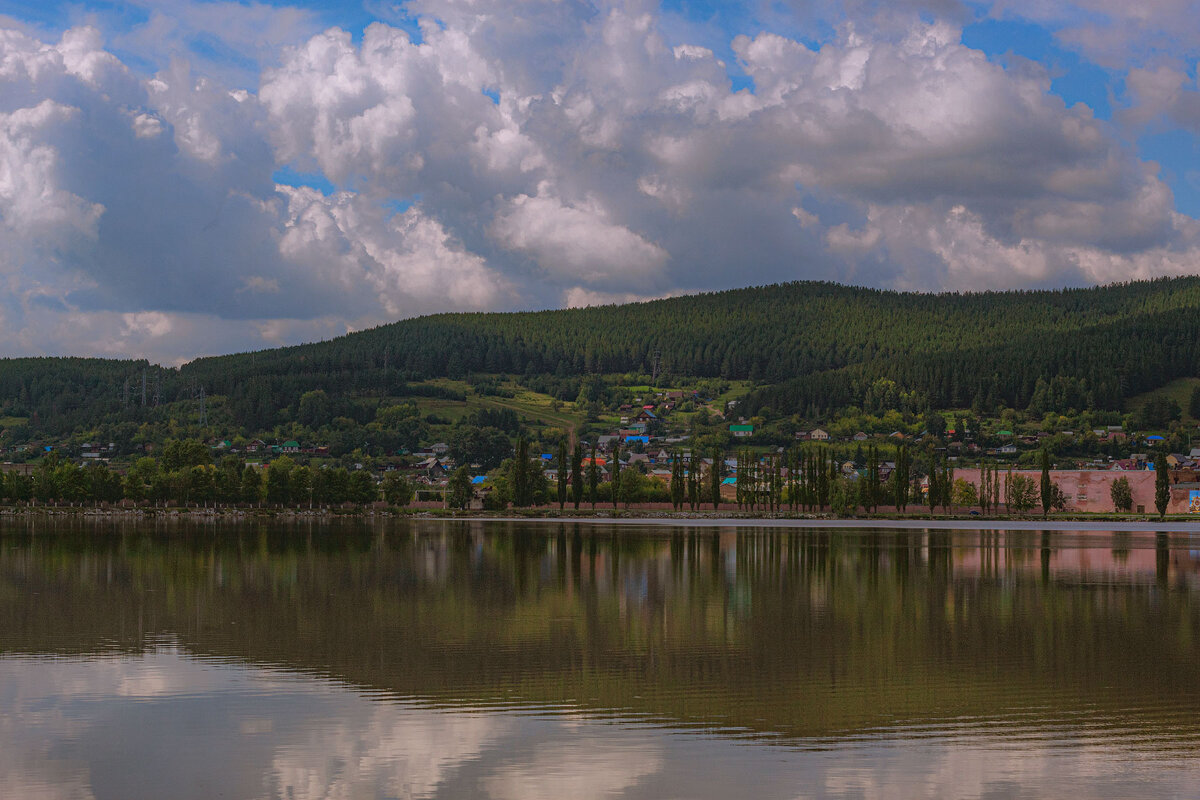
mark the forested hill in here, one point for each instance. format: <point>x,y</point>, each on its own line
<point>768,333</point>
<point>1117,339</point>
<point>813,346</point>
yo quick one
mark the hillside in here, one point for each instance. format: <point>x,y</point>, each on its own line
<point>812,348</point>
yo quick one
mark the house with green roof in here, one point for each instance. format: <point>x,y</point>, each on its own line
<point>741,430</point>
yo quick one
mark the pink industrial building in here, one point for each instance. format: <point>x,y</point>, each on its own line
<point>1088,489</point>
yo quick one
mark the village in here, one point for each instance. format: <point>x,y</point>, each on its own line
<point>647,437</point>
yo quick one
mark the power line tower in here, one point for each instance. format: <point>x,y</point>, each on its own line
<point>656,365</point>
<point>203,409</point>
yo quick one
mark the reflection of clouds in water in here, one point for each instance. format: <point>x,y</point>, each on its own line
<point>164,725</point>
<point>949,770</point>
<point>396,753</point>
<point>160,674</point>
<point>583,769</point>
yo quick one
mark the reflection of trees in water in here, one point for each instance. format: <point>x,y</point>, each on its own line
<point>800,631</point>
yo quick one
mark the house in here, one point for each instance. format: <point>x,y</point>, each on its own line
<point>636,439</point>
<point>605,442</point>
<point>441,448</point>
<point>291,446</point>
<point>861,437</point>
<point>256,446</point>
<point>1007,450</point>
<point>819,435</point>
<point>741,430</point>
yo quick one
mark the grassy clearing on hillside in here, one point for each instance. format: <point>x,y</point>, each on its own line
<point>1179,390</point>
<point>535,409</point>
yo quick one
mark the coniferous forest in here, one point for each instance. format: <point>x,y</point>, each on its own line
<point>809,348</point>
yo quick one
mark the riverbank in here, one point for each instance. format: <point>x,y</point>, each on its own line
<point>608,516</point>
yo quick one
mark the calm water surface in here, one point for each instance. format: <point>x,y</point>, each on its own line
<point>514,660</point>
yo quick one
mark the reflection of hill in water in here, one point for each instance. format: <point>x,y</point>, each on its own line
<point>801,633</point>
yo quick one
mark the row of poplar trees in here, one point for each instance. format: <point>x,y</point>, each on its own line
<point>810,479</point>
<point>688,486</point>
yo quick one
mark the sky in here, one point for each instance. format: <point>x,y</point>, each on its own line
<point>183,177</point>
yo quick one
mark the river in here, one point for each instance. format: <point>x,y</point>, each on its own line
<point>512,659</point>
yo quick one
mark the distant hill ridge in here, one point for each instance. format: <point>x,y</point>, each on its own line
<point>813,345</point>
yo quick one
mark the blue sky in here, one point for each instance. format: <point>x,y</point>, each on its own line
<point>194,176</point>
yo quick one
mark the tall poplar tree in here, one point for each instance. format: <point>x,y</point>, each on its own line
<point>714,478</point>
<point>694,483</point>
<point>577,474</point>
<point>614,473</point>
<point>677,491</point>
<point>562,473</point>
<point>519,477</point>
<point>593,478</point>
<point>1047,487</point>
<point>1162,485</point>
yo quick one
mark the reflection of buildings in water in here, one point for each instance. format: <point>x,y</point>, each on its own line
<point>1125,558</point>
